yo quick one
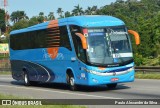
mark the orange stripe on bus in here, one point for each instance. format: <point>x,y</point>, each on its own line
<point>53,52</point>
<point>101,68</point>
<point>53,23</point>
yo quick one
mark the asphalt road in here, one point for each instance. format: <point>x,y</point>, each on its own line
<point>140,89</point>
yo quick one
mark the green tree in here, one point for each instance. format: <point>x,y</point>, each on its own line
<point>60,12</point>
<point>33,21</point>
<point>2,20</point>
<point>67,14</point>
<point>94,10</point>
<point>16,16</point>
<point>77,10</point>
<point>91,10</point>
<point>20,25</point>
<point>51,16</point>
<point>88,11</point>
<point>41,17</point>
<point>41,14</point>
<point>119,1</point>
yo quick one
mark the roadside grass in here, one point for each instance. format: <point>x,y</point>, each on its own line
<point>5,73</point>
<point>3,96</point>
<point>150,75</point>
<point>4,57</point>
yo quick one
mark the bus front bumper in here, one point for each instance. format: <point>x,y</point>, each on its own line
<point>99,80</point>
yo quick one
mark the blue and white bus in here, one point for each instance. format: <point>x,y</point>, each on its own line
<point>79,50</point>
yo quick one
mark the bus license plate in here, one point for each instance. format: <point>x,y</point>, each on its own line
<point>114,79</point>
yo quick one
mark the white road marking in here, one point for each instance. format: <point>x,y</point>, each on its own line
<point>80,94</point>
<point>6,78</point>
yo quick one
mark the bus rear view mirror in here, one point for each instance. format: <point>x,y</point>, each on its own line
<point>136,36</point>
<point>83,40</point>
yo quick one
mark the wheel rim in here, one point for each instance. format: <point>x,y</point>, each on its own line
<point>25,78</point>
<point>72,81</point>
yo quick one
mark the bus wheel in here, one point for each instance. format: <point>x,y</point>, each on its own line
<point>26,79</point>
<point>72,84</point>
<point>112,86</point>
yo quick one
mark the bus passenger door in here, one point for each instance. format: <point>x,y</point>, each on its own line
<point>79,59</point>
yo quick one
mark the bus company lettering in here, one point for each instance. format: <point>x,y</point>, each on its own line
<point>47,56</point>
<point>27,102</point>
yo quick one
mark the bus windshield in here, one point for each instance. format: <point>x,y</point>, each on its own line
<point>108,45</point>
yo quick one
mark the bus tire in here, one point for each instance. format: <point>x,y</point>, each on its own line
<point>112,86</point>
<point>27,82</point>
<point>72,84</point>
<point>26,79</point>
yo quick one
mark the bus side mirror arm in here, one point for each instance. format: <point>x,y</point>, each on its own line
<point>136,36</point>
<point>83,40</point>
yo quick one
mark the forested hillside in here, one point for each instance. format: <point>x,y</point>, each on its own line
<point>142,16</point>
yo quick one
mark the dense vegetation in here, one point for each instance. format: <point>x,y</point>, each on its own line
<point>142,16</point>
<point>2,20</point>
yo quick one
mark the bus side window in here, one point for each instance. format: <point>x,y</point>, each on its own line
<point>64,38</point>
<point>80,50</point>
<point>77,42</point>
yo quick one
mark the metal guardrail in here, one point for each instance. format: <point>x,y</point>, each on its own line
<point>5,69</point>
<point>148,69</point>
<point>5,65</point>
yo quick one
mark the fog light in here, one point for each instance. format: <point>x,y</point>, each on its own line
<point>94,80</point>
<point>131,77</point>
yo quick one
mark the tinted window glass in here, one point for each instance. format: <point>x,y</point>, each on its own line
<point>64,37</point>
<point>81,53</point>
<point>46,38</point>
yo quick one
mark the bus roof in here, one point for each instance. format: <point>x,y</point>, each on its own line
<point>84,21</point>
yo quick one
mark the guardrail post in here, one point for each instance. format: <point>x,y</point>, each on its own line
<point>144,72</point>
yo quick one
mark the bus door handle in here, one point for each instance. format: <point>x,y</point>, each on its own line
<point>73,59</point>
